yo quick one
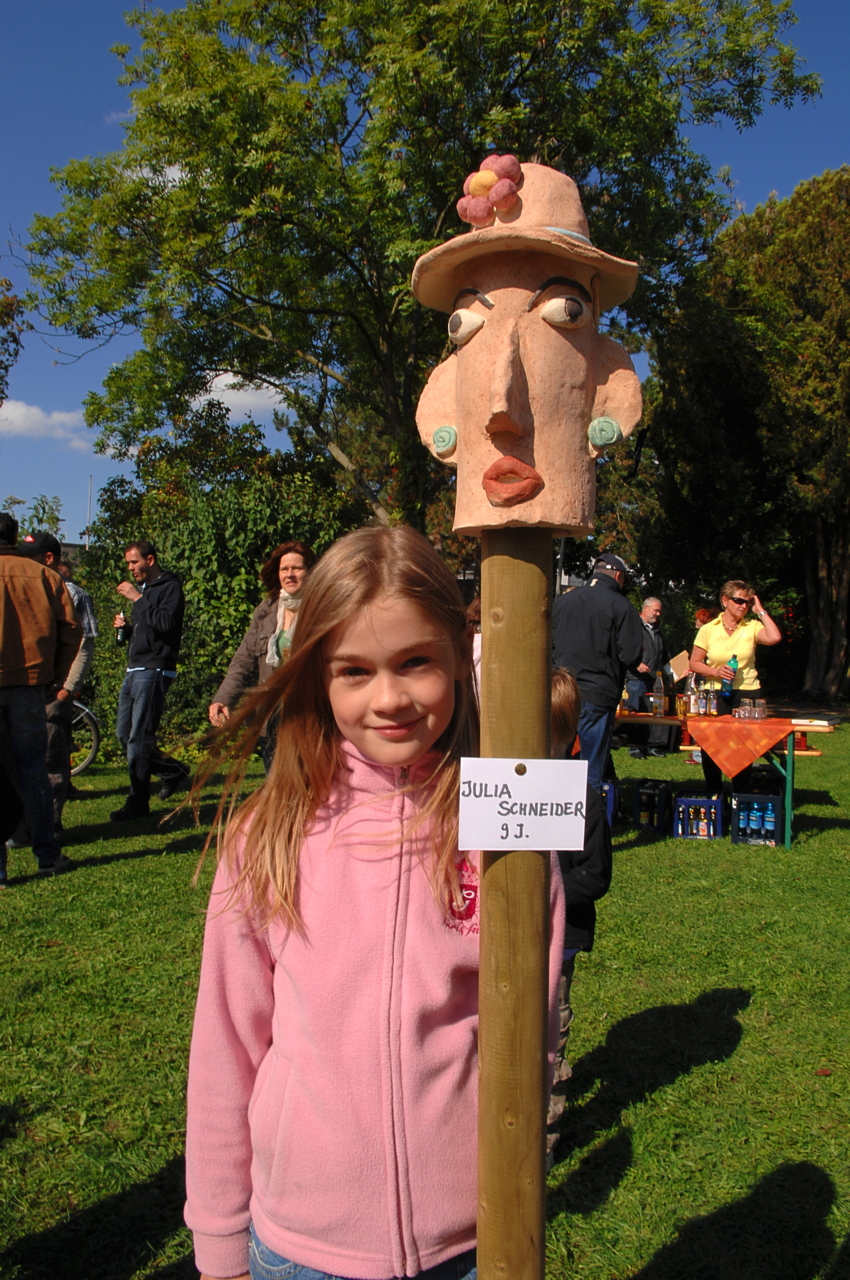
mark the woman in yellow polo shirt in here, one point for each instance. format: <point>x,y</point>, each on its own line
<point>730,634</point>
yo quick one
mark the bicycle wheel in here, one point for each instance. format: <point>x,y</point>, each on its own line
<point>85,739</point>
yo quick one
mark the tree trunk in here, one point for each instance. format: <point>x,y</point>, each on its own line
<point>828,592</point>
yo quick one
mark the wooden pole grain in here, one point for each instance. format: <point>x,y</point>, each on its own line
<point>516,673</point>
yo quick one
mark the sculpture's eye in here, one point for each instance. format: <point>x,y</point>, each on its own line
<point>463,324</point>
<point>565,313</point>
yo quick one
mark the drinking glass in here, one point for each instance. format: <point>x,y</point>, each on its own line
<point>760,709</point>
<point>746,709</point>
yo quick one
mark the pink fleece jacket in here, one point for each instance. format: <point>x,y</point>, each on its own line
<point>333,1076</point>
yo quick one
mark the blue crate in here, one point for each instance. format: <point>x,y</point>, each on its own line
<point>767,828</point>
<point>697,817</point>
<point>651,803</point>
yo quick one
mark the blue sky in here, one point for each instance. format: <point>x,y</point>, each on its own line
<point>60,101</point>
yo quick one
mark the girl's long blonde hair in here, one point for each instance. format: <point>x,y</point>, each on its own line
<point>353,573</point>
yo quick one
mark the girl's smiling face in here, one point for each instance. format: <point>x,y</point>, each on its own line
<point>390,676</point>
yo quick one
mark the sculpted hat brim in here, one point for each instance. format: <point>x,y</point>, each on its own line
<point>549,219</point>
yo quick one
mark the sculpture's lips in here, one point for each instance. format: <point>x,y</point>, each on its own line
<point>510,481</point>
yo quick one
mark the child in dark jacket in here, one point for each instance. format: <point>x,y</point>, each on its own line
<point>587,877</point>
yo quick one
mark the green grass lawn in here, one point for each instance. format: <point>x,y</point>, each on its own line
<point>701,1140</point>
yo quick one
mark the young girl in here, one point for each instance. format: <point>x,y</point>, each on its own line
<point>332,1078</point>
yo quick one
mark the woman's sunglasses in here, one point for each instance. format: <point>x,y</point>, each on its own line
<point>739,600</point>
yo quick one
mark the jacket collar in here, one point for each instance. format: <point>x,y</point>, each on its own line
<point>604,581</point>
<point>378,779</point>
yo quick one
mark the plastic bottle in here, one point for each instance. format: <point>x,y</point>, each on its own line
<point>726,685</point>
<point>680,820</point>
<point>121,632</point>
<point>645,802</point>
<point>756,812</point>
<point>658,695</point>
<point>769,823</point>
<point>743,818</point>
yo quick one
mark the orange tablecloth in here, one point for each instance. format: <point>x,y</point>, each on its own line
<point>734,744</point>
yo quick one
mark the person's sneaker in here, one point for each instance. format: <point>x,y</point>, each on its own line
<point>637,753</point>
<point>56,868</point>
<point>173,784</point>
<point>127,812</point>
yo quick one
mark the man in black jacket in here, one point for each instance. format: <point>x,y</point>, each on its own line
<point>155,632</point>
<point>596,634</point>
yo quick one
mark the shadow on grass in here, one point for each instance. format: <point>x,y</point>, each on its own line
<point>590,1184</point>
<point>840,1269</point>
<point>12,1118</point>
<point>116,1238</point>
<point>777,1232</point>
<point>814,823</point>
<point>646,1051</point>
<point>806,796</point>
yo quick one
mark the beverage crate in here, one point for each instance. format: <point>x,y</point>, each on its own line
<point>611,796</point>
<point>697,817</point>
<point>651,802</point>
<point>758,817</point>
<point>765,777</point>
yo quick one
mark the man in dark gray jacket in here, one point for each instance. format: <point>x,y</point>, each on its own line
<point>596,634</point>
<point>155,633</point>
<point>640,679</point>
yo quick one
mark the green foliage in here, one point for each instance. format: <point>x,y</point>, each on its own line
<point>285,164</point>
<point>697,1126</point>
<point>12,327</point>
<point>752,427</point>
<point>42,513</point>
<point>215,501</point>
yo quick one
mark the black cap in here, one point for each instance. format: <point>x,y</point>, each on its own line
<point>32,544</point>
<point>612,563</point>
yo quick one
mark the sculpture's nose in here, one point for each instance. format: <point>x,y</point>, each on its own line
<point>508,390</point>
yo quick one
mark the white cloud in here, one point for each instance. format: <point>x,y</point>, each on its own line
<point>17,418</point>
<point>116,117</point>
<point>259,402</point>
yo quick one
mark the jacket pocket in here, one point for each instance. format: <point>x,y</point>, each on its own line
<point>264,1118</point>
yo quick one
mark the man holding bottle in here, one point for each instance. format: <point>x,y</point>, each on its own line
<point>641,679</point>
<point>154,633</point>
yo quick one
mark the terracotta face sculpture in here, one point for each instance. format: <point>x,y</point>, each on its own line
<point>533,392</point>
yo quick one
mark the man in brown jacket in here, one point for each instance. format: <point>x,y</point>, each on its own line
<point>39,639</point>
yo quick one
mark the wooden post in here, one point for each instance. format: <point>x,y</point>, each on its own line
<point>516,674</point>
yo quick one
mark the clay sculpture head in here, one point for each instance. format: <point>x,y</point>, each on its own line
<point>533,392</point>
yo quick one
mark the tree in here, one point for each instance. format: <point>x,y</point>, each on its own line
<point>753,425</point>
<point>12,326</point>
<point>43,513</point>
<point>286,163</point>
<point>215,501</point>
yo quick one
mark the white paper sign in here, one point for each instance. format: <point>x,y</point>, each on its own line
<point>522,804</point>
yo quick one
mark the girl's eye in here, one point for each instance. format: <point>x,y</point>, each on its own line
<point>463,324</point>
<point>352,673</point>
<point>421,660</point>
<point>565,313</point>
